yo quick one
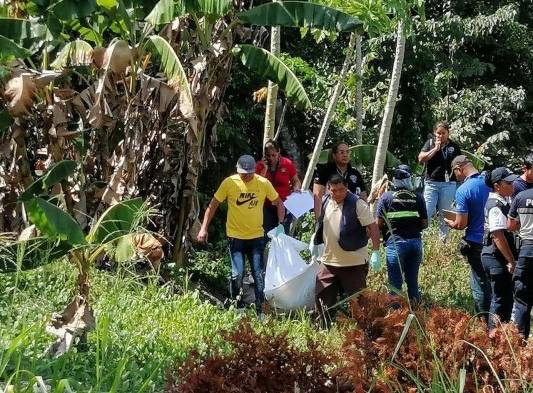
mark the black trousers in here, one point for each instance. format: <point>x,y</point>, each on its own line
<point>501,283</point>
<point>523,288</point>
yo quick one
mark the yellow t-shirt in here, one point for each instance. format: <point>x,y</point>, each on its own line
<point>245,205</point>
<point>333,253</point>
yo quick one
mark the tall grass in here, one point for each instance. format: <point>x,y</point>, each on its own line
<point>144,329</point>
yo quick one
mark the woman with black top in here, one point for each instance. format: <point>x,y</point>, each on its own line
<point>499,253</point>
<point>338,163</point>
<point>439,188</point>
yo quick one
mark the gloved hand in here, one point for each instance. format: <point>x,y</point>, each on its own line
<point>375,260</point>
<point>280,230</point>
<point>314,251</point>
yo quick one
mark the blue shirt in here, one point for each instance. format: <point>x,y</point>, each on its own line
<point>520,185</point>
<point>470,199</point>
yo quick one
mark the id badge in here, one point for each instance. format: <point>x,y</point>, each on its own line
<point>446,177</point>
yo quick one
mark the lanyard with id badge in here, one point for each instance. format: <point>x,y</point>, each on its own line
<point>444,152</point>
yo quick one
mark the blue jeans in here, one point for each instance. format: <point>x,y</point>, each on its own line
<point>479,282</point>
<point>239,249</point>
<point>439,195</point>
<point>523,289</point>
<point>403,261</point>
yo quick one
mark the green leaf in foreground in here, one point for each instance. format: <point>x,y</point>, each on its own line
<point>54,223</point>
<point>117,221</point>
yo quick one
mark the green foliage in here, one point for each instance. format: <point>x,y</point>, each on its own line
<point>162,13</point>
<point>56,173</point>
<point>54,223</point>
<point>486,118</point>
<point>119,220</point>
<point>15,29</point>
<point>170,64</point>
<point>75,53</point>
<point>142,330</point>
<point>10,50</point>
<point>211,267</point>
<point>272,68</point>
<point>300,14</point>
<point>72,9</point>
<point>362,155</point>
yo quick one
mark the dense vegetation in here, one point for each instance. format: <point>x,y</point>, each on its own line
<point>134,111</point>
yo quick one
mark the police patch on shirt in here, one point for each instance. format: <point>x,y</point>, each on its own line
<point>451,149</point>
<point>353,178</point>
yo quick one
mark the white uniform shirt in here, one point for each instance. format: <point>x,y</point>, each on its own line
<point>497,220</point>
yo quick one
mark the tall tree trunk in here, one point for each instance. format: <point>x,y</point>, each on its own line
<point>272,97</point>
<point>358,91</point>
<point>384,133</point>
<point>329,113</point>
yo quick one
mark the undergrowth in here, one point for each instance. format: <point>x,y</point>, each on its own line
<point>383,350</point>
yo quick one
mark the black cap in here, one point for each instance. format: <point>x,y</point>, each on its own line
<point>402,172</point>
<point>502,173</point>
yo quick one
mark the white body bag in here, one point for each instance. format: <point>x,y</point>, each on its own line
<point>289,281</point>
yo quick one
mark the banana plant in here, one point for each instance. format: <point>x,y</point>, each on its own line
<point>152,97</point>
<point>116,223</point>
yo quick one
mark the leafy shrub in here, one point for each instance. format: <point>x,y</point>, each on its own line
<point>383,355</point>
<point>212,267</point>
<point>384,350</point>
<point>257,362</point>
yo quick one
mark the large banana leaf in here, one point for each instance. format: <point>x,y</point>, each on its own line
<point>72,9</point>
<point>15,29</point>
<point>162,13</point>
<point>117,221</point>
<point>56,173</point>
<point>272,68</point>
<point>54,223</point>
<point>362,155</point>
<point>300,14</point>
<point>214,8</point>
<point>8,49</point>
<point>75,53</point>
<point>171,66</point>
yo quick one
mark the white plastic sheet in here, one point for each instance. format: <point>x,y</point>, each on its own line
<point>289,281</point>
<point>299,203</point>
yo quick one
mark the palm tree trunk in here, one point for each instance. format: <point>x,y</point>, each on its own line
<point>329,113</point>
<point>272,97</point>
<point>384,133</point>
<point>358,91</point>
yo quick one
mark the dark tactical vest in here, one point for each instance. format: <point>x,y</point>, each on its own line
<point>403,213</point>
<point>489,246</point>
<point>352,234</point>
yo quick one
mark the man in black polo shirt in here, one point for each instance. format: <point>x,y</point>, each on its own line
<point>521,219</point>
<point>339,163</point>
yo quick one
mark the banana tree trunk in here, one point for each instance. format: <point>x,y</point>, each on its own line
<point>384,133</point>
<point>358,91</point>
<point>329,113</point>
<point>272,93</point>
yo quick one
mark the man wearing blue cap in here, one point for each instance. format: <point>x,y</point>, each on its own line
<point>245,193</point>
<point>401,216</point>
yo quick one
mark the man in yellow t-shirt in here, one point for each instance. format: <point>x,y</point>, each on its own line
<point>245,193</point>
